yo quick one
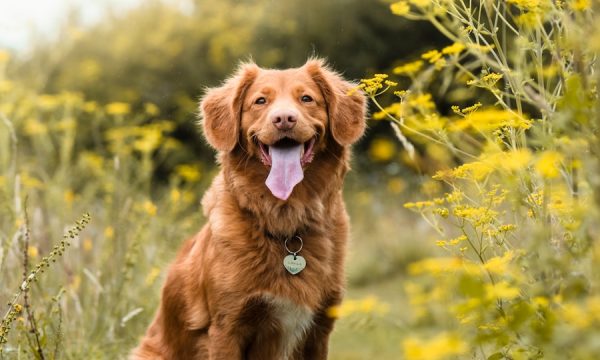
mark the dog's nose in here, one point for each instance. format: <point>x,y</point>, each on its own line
<point>284,119</point>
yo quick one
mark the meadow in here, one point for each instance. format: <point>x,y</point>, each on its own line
<point>474,199</point>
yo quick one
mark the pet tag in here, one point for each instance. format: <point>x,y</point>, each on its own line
<point>294,263</point>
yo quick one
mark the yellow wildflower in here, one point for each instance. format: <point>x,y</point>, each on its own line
<point>453,49</point>
<point>68,196</point>
<point>441,346</point>
<point>117,108</point>
<point>432,56</point>
<point>487,120</point>
<point>109,232</point>
<point>35,127</point>
<point>575,315</point>
<point>548,164</point>
<point>48,102</point>
<point>87,244</point>
<point>400,8</point>
<point>499,264</point>
<point>418,205</point>
<point>18,308</point>
<point>32,251</point>
<point>501,290</point>
<point>149,139</point>
<point>190,173</point>
<point>382,149</point>
<point>422,101</point>
<point>152,275</point>
<point>90,106</point>
<point>149,207</point>
<point>409,68</point>
<point>151,109</point>
<point>580,5</point>
<point>396,185</point>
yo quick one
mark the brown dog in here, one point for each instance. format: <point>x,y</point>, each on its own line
<point>283,138</point>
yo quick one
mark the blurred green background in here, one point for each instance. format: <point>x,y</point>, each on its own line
<point>104,120</point>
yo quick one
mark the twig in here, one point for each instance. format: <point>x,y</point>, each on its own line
<point>28,309</point>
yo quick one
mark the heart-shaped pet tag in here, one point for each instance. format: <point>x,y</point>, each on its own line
<point>294,264</point>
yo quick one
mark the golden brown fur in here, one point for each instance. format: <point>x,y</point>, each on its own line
<point>227,294</point>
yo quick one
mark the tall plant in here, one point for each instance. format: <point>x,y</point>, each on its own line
<point>517,154</point>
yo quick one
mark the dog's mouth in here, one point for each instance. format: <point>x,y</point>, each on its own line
<point>306,150</point>
<point>286,159</point>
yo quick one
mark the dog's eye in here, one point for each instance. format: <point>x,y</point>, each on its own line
<point>260,101</point>
<point>306,98</point>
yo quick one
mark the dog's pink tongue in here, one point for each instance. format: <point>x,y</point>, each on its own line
<point>286,170</point>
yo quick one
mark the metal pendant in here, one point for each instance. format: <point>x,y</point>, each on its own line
<point>294,263</point>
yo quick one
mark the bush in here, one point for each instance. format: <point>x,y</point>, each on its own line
<point>517,169</point>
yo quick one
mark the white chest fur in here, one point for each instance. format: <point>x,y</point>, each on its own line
<point>294,321</point>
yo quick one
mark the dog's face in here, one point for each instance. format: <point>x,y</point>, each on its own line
<point>283,118</point>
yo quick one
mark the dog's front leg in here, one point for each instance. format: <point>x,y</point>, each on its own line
<point>316,345</point>
<point>317,340</point>
<point>223,344</point>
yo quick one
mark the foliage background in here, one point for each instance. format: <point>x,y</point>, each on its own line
<point>102,121</point>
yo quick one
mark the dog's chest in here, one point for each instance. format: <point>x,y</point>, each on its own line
<point>294,321</point>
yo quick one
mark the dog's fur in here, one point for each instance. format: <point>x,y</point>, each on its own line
<point>228,295</point>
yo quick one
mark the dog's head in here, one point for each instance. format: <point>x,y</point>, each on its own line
<point>283,118</point>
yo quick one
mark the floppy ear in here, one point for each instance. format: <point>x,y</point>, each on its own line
<point>221,108</point>
<point>346,111</point>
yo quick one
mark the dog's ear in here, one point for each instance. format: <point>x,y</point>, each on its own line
<point>346,109</point>
<point>221,108</point>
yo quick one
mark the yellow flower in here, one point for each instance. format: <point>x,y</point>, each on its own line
<point>152,275</point>
<point>382,150</point>
<point>87,245</point>
<point>117,108</point>
<point>18,308</point>
<point>368,305</point>
<point>109,232</point>
<point>90,106</point>
<point>575,315</point>
<point>409,68</point>
<point>501,290</point>
<point>32,251</point>
<point>400,8</point>
<point>529,20</point>
<point>190,173</point>
<point>149,207</point>
<point>548,164</point>
<point>31,182</point>
<point>68,196</point>
<point>75,283</point>
<point>432,56</point>
<point>149,139</point>
<point>453,49</point>
<point>396,185</point>
<point>422,101</point>
<point>441,346</point>
<point>487,80</point>
<point>499,264</point>
<point>48,102</point>
<point>34,127</point>
<point>579,5</point>
<point>151,109</point>
<point>487,120</point>
<point>92,161</point>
